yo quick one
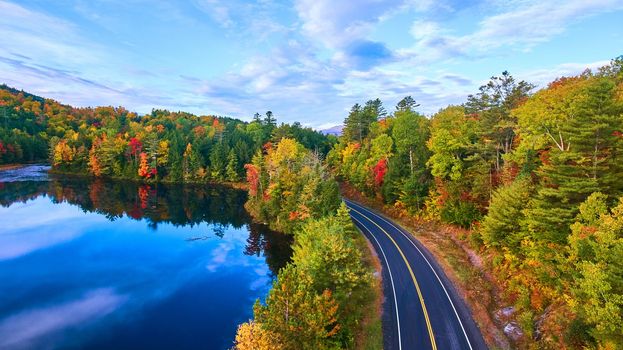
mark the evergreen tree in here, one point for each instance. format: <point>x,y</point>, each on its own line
<point>496,124</point>
<point>588,160</point>
<point>502,227</point>
<point>353,125</point>
<point>596,252</point>
<point>232,167</point>
<point>407,104</point>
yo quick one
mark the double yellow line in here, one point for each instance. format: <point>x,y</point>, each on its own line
<point>417,286</point>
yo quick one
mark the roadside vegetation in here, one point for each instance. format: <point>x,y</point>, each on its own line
<point>535,177</point>
<point>320,299</point>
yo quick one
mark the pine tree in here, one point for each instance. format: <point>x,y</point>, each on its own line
<point>407,104</point>
<point>231,171</point>
<point>353,125</point>
<point>502,227</point>
<point>588,162</point>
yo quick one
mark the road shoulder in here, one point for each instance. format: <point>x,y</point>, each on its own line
<point>459,265</point>
<point>370,336</point>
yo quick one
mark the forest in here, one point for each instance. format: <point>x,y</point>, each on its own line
<point>320,299</point>
<point>536,177</point>
<point>161,146</point>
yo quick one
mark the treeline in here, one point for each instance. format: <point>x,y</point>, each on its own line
<point>161,146</point>
<point>320,298</point>
<point>537,176</point>
<point>178,205</point>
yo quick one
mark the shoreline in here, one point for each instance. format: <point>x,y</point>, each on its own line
<point>19,165</point>
<point>234,185</point>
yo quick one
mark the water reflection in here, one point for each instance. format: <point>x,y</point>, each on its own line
<point>104,264</point>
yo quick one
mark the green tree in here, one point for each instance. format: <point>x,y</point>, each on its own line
<point>410,132</point>
<point>496,124</point>
<point>407,104</point>
<point>502,226</point>
<point>585,158</point>
<point>357,124</point>
<point>325,251</point>
<point>231,171</point>
<point>451,143</point>
<point>300,317</point>
<point>218,161</point>
<point>596,251</point>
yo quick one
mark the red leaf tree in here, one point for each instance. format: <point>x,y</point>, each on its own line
<point>143,168</point>
<point>253,178</point>
<point>379,170</point>
<point>135,146</point>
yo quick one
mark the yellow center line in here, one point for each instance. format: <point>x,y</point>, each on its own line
<point>417,286</point>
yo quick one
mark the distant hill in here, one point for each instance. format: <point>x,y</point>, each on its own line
<point>26,94</point>
<point>78,140</point>
<point>334,130</point>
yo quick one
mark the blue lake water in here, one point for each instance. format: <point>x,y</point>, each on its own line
<point>90,264</point>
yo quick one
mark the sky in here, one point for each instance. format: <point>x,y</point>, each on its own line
<point>305,60</point>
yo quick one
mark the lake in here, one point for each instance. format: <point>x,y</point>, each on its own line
<point>96,264</point>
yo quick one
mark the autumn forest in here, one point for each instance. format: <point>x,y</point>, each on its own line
<point>533,176</point>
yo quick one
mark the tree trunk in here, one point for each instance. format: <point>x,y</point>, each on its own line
<point>411,160</point>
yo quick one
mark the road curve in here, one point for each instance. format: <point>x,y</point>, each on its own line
<point>422,309</point>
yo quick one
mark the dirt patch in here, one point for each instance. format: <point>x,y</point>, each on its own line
<point>463,265</point>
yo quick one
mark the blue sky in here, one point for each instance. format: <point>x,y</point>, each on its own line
<point>306,60</point>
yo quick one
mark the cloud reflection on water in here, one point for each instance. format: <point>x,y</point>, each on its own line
<point>31,227</point>
<point>35,327</point>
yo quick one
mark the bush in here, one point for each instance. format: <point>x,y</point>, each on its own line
<point>460,213</point>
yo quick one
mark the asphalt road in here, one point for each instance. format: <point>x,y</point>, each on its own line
<point>422,310</point>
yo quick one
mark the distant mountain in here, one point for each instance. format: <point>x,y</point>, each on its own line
<point>334,130</point>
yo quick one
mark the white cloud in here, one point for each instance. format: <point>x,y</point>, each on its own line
<point>217,10</point>
<point>337,24</point>
<point>48,56</point>
<point>244,18</point>
<point>521,26</point>
<point>392,84</point>
<point>422,30</point>
<point>319,57</point>
<point>40,37</point>
<point>219,255</point>
<point>543,76</point>
<point>25,233</point>
<point>536,22</point>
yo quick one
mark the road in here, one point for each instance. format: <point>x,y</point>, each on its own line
<point>422,310</point>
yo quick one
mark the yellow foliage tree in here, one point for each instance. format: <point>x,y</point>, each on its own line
<point>251,336</point>
<point>63,153</point>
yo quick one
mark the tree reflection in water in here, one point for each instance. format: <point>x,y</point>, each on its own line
<point>179,205</point>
